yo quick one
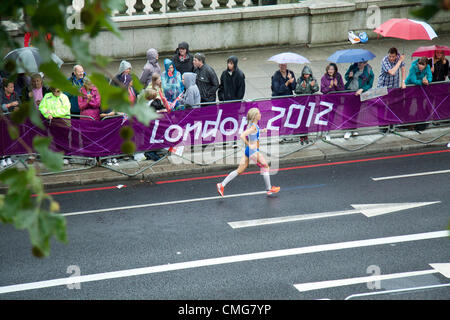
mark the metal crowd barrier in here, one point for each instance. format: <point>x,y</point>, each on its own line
<point>324,136</point>
<point>101,164</point>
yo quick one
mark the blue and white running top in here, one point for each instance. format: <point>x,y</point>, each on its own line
<point>253,137</point>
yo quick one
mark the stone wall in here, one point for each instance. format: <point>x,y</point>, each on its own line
<point>311,22</point>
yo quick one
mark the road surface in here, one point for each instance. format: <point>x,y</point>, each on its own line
<point>333,225</point>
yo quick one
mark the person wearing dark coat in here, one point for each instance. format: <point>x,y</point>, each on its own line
<point>207,80</point>
<point>182,59</point>
<point>9,98</point>
<point>283,82</point>
<point>232,82</point>
<point>439,66</point>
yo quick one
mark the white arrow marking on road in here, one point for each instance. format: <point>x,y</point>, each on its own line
<point>372,210</point>
<point>411,175</point>
<point>443,268</point>
<point>225,260</point>
<point>369,210</point>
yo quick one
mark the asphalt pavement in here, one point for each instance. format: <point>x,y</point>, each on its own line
<point>173,240</point>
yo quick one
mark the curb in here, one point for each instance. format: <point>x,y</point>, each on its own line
<point>196,169</point>
<point>320,151</point>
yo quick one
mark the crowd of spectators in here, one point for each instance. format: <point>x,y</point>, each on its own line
<point>187,81</point>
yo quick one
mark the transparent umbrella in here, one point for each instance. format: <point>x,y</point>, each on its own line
<point>28,59</point>
<point>288,57</point>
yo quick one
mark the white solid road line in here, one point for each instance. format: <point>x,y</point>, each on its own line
<point>443,268</point>
<point>369,210</point>
<point>147,205</point>
<point>411,175</point>
<point>303,287</point>
<point>223,260</point>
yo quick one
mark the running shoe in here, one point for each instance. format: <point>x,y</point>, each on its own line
<point>273,190</point>
<point>220,189</point>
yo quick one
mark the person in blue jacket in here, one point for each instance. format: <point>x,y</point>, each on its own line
<point>77,80</point>
<point>420,72</point>
<point>283,82</point>
<point>359,77</point>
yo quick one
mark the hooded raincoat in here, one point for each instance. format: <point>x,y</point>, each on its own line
<point>171,83</point>
<point>150,67</point>
<point>191,96</point>
<point>232,83</point>
<point>308,89</point>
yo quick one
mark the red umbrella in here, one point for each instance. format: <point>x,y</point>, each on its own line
<point>429,51</point>
<point>406,29</point>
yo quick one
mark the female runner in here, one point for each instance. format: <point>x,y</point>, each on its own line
<point>251,152</point>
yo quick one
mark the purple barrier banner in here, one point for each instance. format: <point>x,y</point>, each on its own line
<point>225,122</point>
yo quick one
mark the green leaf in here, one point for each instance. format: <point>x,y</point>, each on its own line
<point>13,132</point>
<point>27,111</point>
<point>43,228</point>
<point>18,196</point>
<point>126,133</point>
<point>143,112</point>
<point>24,219</point>
<point>35,117</point>
<point>52,160</point>
<point>137,83</point>
<point>425,12</point>
<point>102,61</point>
<point>48,14</point>
<point>128,147</point>
<point>80,48</point>
<point>14,178</point>
<point>112,97</point>
<point>58,80</point>
<point>54,224</point>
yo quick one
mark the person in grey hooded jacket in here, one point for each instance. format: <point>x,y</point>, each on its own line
<point>306,84</point>
<point>150,67</point>
<point>191,95</point>
<point>124,68</point>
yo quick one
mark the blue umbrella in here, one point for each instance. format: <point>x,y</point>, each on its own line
<point>351,56</point>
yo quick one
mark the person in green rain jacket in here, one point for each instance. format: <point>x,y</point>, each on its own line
<point>55,104</point>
